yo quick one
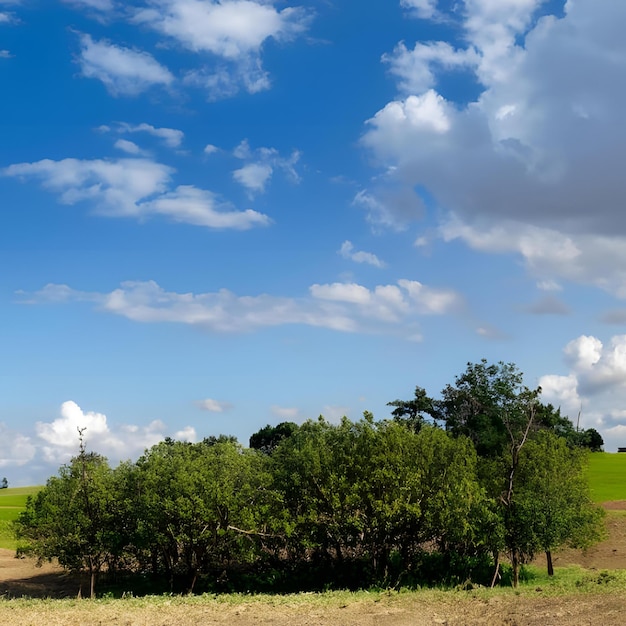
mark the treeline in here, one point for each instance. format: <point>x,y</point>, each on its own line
<point>414,500</point>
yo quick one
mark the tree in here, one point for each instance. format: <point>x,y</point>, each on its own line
<point>552,497</point>
<point>72,517</point>
<point>413,412</point>
<point>4,484</point>
<point>199,506</point>
<point>267,438</point>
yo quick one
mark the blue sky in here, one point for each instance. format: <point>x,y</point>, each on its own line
<point>218,215</point>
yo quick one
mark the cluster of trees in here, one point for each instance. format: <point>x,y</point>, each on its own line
<point>436,494</point>
<point>4,483</point>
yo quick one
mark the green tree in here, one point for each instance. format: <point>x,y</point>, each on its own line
<point>267,438</point>
<point>4,484</point>
<point>73,517</point>
<point>416,412</point>
<point>199,506</point>
<point>552,497</point>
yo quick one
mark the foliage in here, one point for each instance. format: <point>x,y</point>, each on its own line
<point>72,516</point>
<point>321,505</point>
<point>4,483</point>
<point>552,498</point>
<point>267,438</point>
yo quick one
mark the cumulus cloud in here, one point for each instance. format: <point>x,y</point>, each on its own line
<point>594,386</point>
<point>135,187</point>
<point>123,71</point>
<point>347,251</point>
<point>543,143</point>
<point>233,32</point>
<point>57,441</point>
<point>214,406</point>
<point>344,307</point>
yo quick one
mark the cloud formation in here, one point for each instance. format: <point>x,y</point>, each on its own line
<point>231,33</point>
<point>344,307</point>
<point>594,386</point>
<point>214,406</point>
<point>540,148</point>
<point>123,71</point>
<point>260,165</point>
<point>347,251</point>
<point>135,187</point>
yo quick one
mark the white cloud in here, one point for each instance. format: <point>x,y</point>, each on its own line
<point>210,149</point>
<point>424,9</point>
<point>171,137</point>
<point>261,165</point>
<point>541,146</point>
<point>253,176</point>
<point>595,386</point>
<point>123,71</point>
<point>344,307</point>
<point>57,441</point>
<point>129,147</point>
<point>347,251</point>
<point>195,206</point>
<point>135,187</point>
<point>214,406</point>
<point>16,449</point>
<point>416,69</point>
<point>598,260</point>
<point>233,31</point>
<point>5,54</point>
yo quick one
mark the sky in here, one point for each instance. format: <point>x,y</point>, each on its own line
<point>218,215</point>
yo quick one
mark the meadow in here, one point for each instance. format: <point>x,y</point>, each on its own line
<point>12,502</point>
<point>607,476</point>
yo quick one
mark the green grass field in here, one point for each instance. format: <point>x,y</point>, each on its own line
<point>12,502</point>
<point>607,476</point>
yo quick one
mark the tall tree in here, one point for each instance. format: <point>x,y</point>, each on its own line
<point>552,497</point>
<point>72,517</point>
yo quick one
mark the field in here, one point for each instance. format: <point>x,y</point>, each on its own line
<point>588,588</point>
<point>12,501</point>
<point>607,476</point>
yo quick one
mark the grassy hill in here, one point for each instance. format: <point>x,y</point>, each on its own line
<point>12,501</point>
<point>607,476</point>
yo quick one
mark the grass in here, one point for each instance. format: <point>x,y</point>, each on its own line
<point>12,502</point>
<point>607,476</point>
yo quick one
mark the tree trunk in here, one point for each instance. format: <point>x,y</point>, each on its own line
<point>549,560</point>
<point>515,565</point>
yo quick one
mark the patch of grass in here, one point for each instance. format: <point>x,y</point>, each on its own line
<point>12,503</point>
<point>607,476</point>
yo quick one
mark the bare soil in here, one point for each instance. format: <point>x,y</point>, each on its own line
<point>21,577</point>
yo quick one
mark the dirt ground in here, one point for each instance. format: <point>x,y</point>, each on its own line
<point>20,577</point>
